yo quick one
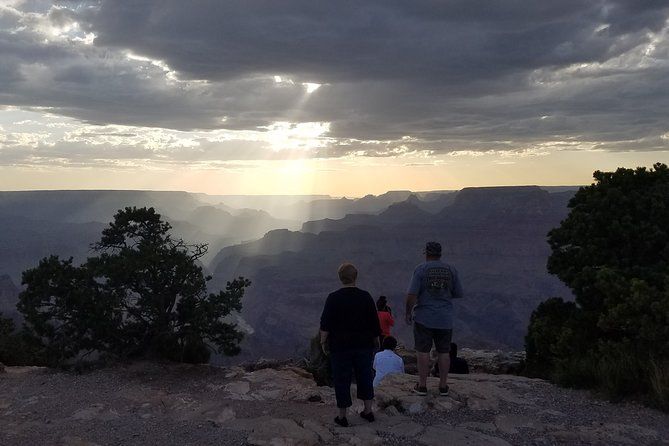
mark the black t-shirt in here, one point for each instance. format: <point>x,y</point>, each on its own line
<point>350,317</point>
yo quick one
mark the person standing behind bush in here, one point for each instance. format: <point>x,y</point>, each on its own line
<point>350,333</point>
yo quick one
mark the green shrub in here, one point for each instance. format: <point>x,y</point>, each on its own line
<point>318,364</point>
<point>659,380</point>
<point>576,371</point>
<point>143,295</point>
<point>613,252</point>
<point>620,371</point>
<point>547,326</point>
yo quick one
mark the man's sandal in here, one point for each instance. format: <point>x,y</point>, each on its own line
<point>420,390</point>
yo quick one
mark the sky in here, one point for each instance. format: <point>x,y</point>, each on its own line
<point>341,98</point>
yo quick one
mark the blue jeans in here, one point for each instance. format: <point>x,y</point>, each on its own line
<point>345,365</point>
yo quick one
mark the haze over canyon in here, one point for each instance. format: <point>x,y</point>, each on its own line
<point>290,247</point>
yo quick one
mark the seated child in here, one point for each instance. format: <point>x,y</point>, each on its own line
<point>386,361</point>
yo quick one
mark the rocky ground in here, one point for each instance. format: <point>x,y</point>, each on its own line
<point>153,404</point>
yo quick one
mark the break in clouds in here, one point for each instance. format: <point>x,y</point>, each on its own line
<point>210,81</point>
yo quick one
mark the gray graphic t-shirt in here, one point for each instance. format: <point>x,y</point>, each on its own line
<point>436,284</point>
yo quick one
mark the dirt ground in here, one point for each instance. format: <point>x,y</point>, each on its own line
<point>154,404</point>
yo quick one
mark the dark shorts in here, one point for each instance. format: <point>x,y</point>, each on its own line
<point>424,337</point>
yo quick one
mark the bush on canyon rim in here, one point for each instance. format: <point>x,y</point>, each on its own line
<point>143,295</point>
<point>613,252</point>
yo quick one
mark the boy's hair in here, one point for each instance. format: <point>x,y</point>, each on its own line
<point>389,343</point>
<point>347,273</point>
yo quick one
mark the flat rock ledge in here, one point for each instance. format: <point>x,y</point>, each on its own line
<point>493,361</point>
<point>168,404</point>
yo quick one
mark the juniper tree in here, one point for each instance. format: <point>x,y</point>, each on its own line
<point>613,252</point>
<point>144,294</point>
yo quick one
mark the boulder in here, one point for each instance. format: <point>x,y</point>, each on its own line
<point>323,433</point>
<point>282,432</point>
<point>495,362</point>
<point>286,383</point>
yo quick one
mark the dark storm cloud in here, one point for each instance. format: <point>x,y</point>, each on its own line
<point>427,41</point>
<point>453,75</point>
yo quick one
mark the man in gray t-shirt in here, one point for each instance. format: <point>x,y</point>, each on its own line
<point>429,306</point>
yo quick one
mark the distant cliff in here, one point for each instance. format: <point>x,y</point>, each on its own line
<point>496,238</point>
<point>35,224</point>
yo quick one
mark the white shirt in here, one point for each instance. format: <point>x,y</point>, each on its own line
<point>385,363</point>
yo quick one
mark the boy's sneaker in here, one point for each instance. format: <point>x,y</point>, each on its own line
<point>343,422</point>
<point>420,390</point>
<point>368,416</point>
<point>443,391</point>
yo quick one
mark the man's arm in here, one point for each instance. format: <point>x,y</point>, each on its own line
<point>410,303</point>
<point>412,295</point>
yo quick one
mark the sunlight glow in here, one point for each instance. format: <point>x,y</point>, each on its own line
<point>302,135</point>
<point>311,87</point>
<point>283,80</point>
